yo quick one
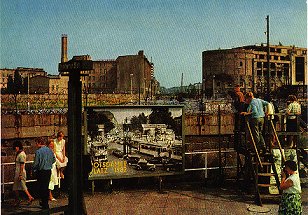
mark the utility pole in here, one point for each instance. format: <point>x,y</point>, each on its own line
<point>182,83</point>
<point>214,87</point>
<point>268,59</point>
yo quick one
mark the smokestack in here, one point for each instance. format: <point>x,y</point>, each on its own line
<point>64,48</point>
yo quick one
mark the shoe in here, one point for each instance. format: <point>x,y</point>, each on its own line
<point>53,199</point>
<point>30,201</point>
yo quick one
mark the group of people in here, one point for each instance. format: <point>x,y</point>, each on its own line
<point>49,163</point>
<point>258,109</point>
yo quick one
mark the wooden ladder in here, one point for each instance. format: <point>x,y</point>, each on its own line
<point>262,176</point>
<point>261,167</point>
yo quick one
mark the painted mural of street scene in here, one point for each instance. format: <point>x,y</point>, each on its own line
<point>135,141</point>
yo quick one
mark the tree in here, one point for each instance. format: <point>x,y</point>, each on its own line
<point>136,122</point>
<point>17,83</point>
<point>99,118</point>
<point>10,85</point>
<point>25,86</point>
<point>14,87</point>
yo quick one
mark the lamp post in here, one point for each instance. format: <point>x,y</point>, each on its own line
<point>213,86</point>
<point>131,83</point>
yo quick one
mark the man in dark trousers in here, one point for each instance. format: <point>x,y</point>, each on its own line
<point>44,158</point>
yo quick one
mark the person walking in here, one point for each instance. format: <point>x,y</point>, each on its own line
<point>59,149</point>
<point>20,173</point>
<point>291,202</point>
<point>256,111</point>
<point>44,158</point>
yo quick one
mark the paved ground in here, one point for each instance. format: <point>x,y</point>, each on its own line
<point>175,199</point>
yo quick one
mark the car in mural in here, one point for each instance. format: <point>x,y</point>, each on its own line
<point>118,153</point>
<point>132,159</point>
<point>143,164</point>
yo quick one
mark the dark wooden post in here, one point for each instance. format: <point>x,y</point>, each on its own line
<point>73,69</point>
<point>74,148</point>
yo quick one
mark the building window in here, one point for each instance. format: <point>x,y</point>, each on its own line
<point>273,73</point>
<point>261,56</point>
<point>275,57</point>
<point>279,73</point>
<point>241,63</point>
<point>259,65</point>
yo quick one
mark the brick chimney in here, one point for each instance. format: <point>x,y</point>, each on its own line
<point>64,48</point>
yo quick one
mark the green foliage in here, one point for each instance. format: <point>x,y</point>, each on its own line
<point>136,122</point>
<point>15,85</point>
<point>18,87</point>
<point>161,115</point>
<point>99,118</point>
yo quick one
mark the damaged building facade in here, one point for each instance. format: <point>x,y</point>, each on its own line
<point>247,66</point>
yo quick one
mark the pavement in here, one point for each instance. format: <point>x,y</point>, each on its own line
<point>179,198</point>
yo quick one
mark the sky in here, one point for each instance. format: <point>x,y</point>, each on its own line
<point>172,33</point>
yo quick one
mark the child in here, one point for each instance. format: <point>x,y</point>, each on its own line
<point>291,199</point>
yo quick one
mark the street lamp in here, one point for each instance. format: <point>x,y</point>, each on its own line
<point>214,86</point>
<point>131,83</point>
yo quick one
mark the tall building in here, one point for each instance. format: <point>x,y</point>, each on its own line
<point>247,66</point>
<point>102,79</point>
<point>134,74</point>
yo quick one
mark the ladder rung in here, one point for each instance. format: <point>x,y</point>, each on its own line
<point>267,185</point>
<point>264,163</point>
<point>266,174</point>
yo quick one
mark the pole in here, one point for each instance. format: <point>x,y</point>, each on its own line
<point>213,86</point>
<point>75,144</point>
<point>131,84</point>
<point>139,88</point>
<point>245,86</point>
<point>28,84</point>
<point>268,59</point>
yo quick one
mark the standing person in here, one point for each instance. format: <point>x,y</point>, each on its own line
<point>293,111</point>
<point>20,173</point>
<point>256,111</point>
<point>239,104</point>
<point>44,158</point>
<point>59,148</point>
<point>54,176</point>
<point>270,118</point>
<point>239,99</point>
<point>291,202</point>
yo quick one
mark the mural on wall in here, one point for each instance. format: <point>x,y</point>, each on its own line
<point>134,141</point>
